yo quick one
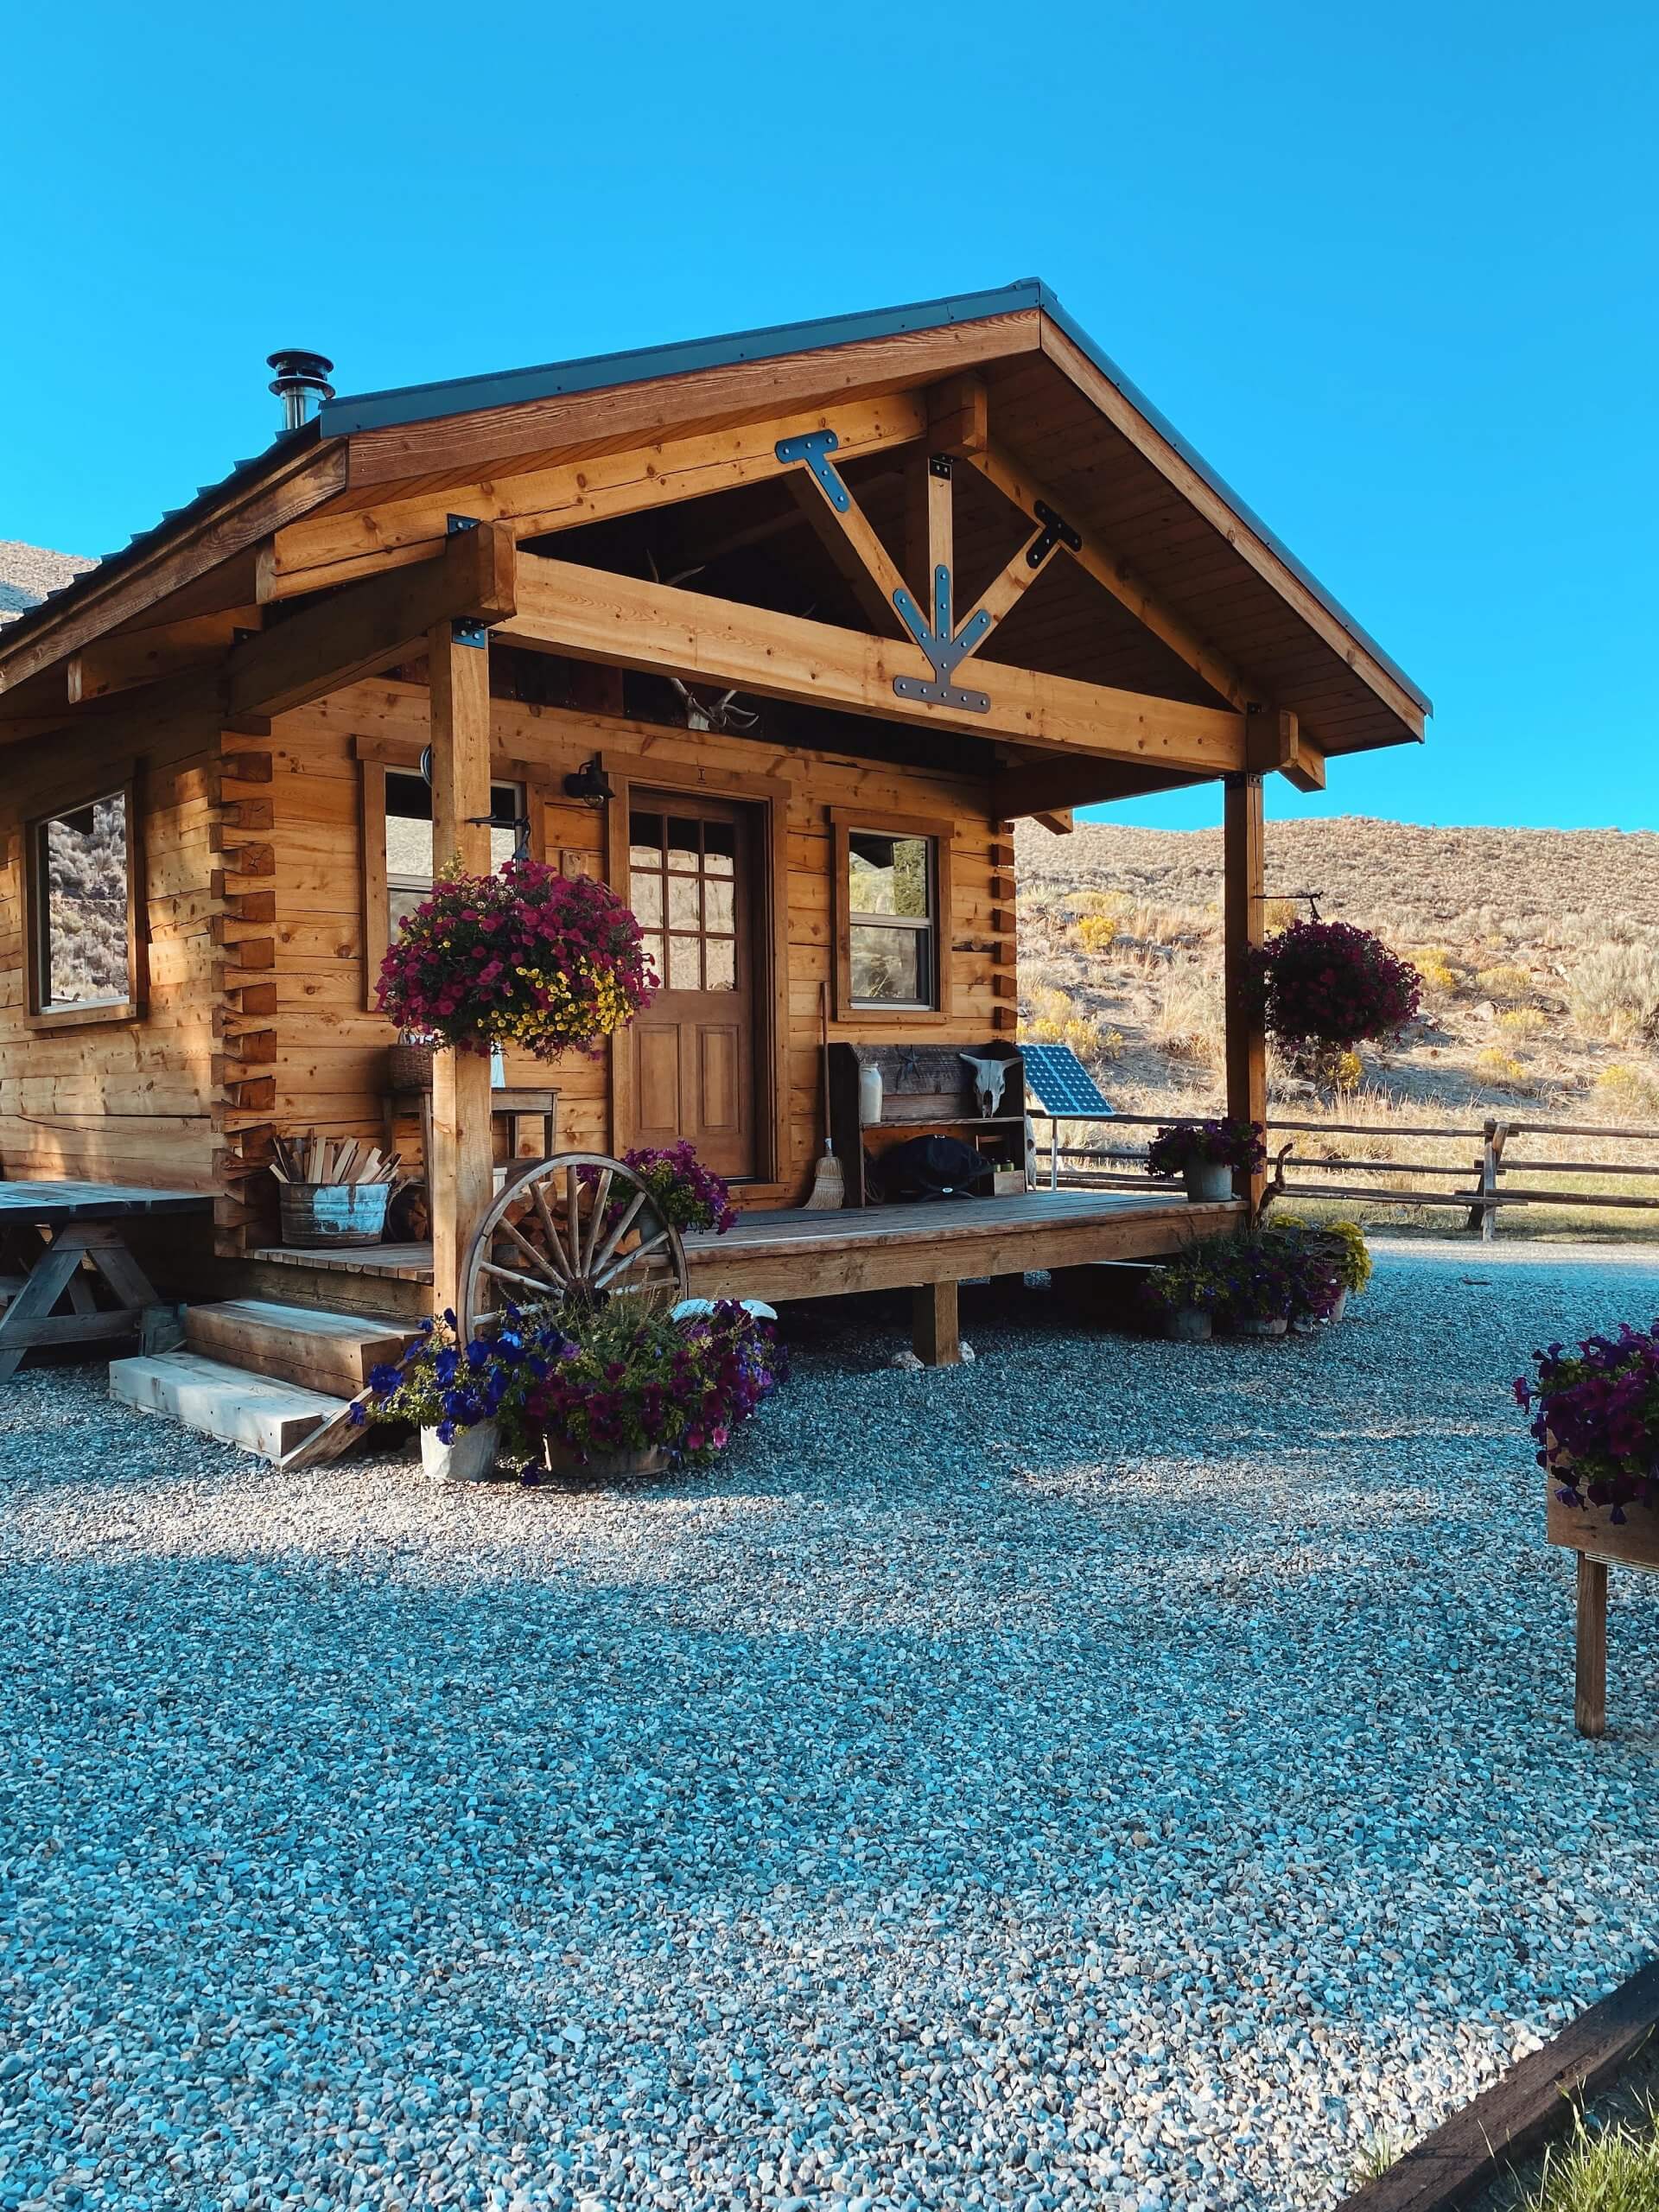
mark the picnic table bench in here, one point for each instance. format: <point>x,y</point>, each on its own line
<point>58,1240</point>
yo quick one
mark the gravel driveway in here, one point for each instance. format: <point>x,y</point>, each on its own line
<point>1110,1768</point>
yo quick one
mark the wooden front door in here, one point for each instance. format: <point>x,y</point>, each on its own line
<point>690,882</point>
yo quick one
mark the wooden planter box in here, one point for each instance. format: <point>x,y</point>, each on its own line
<point>1592,1532</point>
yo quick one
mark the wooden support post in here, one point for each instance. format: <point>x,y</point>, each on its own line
<point>1590,1698</point>
<point>935,1333</point>
<point>1244,917</point>
<point>461,1180</point>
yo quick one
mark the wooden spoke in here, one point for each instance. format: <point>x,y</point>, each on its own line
<point>579,1227</point>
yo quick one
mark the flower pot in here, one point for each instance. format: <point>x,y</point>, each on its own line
<point>1189,1325</point>
<point>1207,1180</point>
<point>1276,1327</point>
<point>333,1216</point>
<point>470,1459</point>
<point>1341,1305</point>
<point>602,1467</point>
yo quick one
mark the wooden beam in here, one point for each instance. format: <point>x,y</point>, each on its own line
<point>343,544</point>
<point>134,586</point>
<point>1024,491</point>
<point>127,658</point>
<point>959,416</point>
<point>1058,820</point>
<point>371,626</point>
<point>592,614</point>
<point>1274,740</point>
<point>460,1179</point>
<point>860,557</point>
<point>1243,921</point>
<point>1202,496</point>
<point>690,401</point>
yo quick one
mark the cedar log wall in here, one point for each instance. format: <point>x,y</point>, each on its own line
<point>329,1071</point>
<point>130,1101</point>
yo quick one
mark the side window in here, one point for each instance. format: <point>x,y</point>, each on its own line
<point>81,908</point>
<point>891,895</point>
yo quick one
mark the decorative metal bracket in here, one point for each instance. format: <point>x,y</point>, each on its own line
<point>1055,531</point>
<point>945,651</point>
<point>815,448</point>
<point>468,632</point>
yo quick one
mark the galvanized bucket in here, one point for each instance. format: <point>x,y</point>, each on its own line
<point>338,1216</point>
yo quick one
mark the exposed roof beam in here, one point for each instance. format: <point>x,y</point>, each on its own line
<point>1033,790</point>
<point>347,542</point>
<point>593,614</point>
<point>371,626</point>
<point>127,658</point>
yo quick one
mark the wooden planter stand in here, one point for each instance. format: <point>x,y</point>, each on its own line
<point>1600,1541</point>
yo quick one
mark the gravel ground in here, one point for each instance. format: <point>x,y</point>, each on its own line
<point>1113,1770</point>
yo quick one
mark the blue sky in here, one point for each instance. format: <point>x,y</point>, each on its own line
<point>1391,270</point>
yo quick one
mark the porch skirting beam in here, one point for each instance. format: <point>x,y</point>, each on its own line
<point>594,615</point>
<point>1243,921</point>
<point>461,1174</point>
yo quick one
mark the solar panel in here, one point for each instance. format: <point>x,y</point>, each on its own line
<point>1058,1085</point>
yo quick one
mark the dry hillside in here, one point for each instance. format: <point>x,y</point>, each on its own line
<point>28,573</point>
<point>1540,950</point>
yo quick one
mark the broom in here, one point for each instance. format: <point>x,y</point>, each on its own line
<point>829,1191</point>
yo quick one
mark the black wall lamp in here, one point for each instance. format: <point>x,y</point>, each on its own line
<point>590,784</point>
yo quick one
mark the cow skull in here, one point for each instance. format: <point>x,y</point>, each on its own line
<point>989,1076</point>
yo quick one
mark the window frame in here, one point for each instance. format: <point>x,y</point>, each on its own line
<point>844,824</point>
<point>373,767</point>
<point>125,783</point>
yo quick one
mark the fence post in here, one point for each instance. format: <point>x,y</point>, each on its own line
<point>1494,1136</point>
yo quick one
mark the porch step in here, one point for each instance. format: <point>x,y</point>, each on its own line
<point>330,1353</point>
<point>258,1412</point>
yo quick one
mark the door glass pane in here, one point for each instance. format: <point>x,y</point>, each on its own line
<point>646,897</point>
<point>721,955</point>
<point>402,900</point>
<point>409,826</point>
<point>888,875</point>
<point>889,965</point>
<point>683,902</point>
<point>504,843</point>
<point>683,849</point>
<point>720,847</point>
<point>717,908</point>
<point>646,839</point>
<point>506,804</point>
<point>685,965</point>
<point>654,951</point>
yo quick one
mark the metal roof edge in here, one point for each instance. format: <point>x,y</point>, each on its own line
<point>419,402</point>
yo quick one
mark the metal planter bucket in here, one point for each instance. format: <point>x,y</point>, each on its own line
<point>1207,1180</point>
<point>335,1216</point>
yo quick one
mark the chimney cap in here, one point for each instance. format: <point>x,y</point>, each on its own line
<point>299,376</point>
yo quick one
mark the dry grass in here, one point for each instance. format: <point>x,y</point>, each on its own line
<point>1539,951</point>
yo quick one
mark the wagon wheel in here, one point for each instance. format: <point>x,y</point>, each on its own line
<point>556,1235</point>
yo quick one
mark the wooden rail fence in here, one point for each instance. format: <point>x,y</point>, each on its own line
<point>1482,1195</point>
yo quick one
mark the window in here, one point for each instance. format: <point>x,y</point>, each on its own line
<point>82,906</point>
<point>682,888</point>
<point>891,890</point>
<point>408,838</point>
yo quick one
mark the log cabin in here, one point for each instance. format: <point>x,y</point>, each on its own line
<point>778,633</point>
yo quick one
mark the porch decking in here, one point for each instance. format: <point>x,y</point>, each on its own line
<point>788,1253</point>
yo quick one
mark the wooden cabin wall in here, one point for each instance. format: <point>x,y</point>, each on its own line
<point>330,1067</point>
<point>128,1101</point>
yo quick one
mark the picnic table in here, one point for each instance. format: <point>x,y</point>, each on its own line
<point>58,1243</point>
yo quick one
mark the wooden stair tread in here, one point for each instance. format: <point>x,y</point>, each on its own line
<point>260,1413</point>
<point>312,1346</point>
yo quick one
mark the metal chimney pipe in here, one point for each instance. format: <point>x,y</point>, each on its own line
<point>299,377</point>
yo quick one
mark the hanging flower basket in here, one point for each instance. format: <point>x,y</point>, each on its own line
<point>548,963</point>
<point>1330,986</point>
